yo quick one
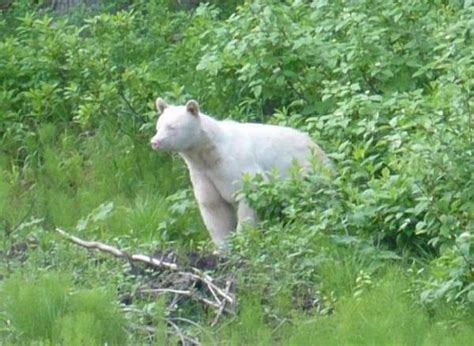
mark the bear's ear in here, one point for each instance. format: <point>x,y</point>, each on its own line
<point>161,105</point>
<point>192,107</point>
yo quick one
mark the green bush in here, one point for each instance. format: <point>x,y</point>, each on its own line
<point>385,88</point>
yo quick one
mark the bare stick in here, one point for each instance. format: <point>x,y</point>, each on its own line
<point>209,283</point>
<point>116,252</point>
<point>188,321</point>
<point>181,335</point>
<point>184,293</point>
<point>165,290</point>
<point>219,294</point>
<point>214,295</point>
<point>222,307</point>
<point>178,332</point>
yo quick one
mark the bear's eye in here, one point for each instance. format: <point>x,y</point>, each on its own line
<point>170,127</point>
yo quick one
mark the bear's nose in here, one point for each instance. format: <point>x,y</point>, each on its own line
<point>155,144</point>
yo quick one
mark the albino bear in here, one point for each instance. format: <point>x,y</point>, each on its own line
<point>217,153</point>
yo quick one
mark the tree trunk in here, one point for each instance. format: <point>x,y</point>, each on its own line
<point>63,6</point>
<point>4,4</point>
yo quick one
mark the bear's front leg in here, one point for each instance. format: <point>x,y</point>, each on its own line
<point>245,215</point>
<point>217,214</point>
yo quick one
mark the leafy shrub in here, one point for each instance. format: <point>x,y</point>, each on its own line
<point>398,120</point>
<point>386,88</point>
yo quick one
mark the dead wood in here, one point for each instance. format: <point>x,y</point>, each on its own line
<point>183,282</point>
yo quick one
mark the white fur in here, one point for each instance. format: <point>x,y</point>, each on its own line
<point>217,153</point>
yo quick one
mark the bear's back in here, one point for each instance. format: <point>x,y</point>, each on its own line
<point>267,146</point>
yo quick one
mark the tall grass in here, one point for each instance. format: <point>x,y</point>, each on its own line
<point>385,314</point>
<point>66,178</point>
<point>34,307</point>
<point>75,154</point>
<point>46,310</point>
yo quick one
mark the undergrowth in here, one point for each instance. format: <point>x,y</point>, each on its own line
<point>378,252</point>
<point>45,309</point>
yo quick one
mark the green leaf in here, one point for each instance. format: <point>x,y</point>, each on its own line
<point>102,212</point>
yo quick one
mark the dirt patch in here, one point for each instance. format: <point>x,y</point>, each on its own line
<point>18,251</point>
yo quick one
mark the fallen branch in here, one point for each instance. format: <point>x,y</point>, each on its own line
<point>184,339</point>
<point>118,253</point>
<point>183,293</point>
<point>196,274</point>
<point>222,307</point>
<point>208,281</point>
<point>178,332</point>
<point>209,292</point>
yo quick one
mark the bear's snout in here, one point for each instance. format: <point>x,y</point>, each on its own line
<point>155,144</point>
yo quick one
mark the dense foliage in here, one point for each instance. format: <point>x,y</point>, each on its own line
<point>385,87</point>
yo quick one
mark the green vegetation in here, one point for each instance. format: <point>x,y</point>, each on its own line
<point>382,253</point>
<point>44,310</point>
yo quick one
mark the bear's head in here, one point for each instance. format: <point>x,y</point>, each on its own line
<point>178,128</point>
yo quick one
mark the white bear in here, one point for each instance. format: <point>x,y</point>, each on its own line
<point>218,153</point>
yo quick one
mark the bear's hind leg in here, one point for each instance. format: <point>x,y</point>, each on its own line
<point>245,215</point>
